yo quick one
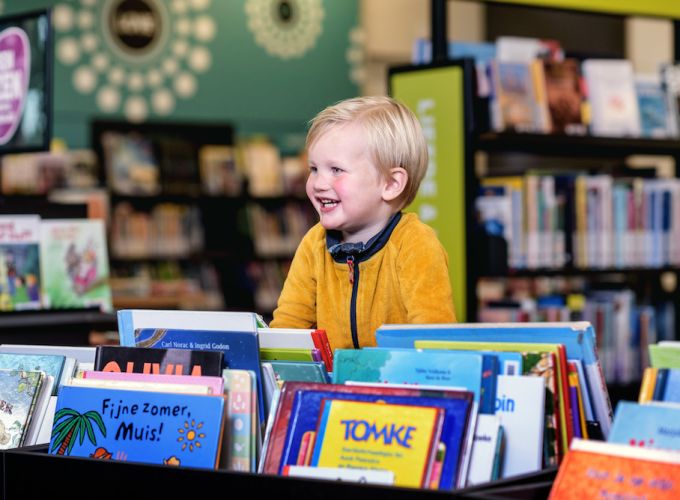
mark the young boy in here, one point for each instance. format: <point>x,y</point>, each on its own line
<point>365,263</point>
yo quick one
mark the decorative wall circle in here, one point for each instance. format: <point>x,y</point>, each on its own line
<point>285,28</point>
<point>356,56</point>
<point>135,56</point>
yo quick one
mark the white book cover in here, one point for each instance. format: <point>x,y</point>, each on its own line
<point>612,97</point>
<point>285,337</point>
<point>131,385</point>
<point>45,432</point>
<point>520,406</point>
<point>487,433</point>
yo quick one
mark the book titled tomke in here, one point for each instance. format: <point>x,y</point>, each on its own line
<point>148,427</point>
<point>399,438</point>
<point>457,406</point>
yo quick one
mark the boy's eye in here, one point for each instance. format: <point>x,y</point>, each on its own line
<point>312,169</point>
<point>336,170</point>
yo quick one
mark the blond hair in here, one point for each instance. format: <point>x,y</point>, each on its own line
<point>394,136</point>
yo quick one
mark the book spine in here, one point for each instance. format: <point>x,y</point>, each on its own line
<point>125,331</point>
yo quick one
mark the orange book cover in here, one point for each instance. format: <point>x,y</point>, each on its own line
<point>595,469</point>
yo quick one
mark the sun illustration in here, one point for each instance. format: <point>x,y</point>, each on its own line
<point>190,434</point>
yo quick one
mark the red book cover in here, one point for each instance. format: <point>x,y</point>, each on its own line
<point>320,339</point>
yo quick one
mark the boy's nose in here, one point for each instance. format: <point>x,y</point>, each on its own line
<point>320,182</point>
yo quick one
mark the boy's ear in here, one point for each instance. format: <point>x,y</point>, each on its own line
<point>396,183</point>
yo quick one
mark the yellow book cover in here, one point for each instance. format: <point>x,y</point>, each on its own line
<point>379,436</point>
<point>647,385</point>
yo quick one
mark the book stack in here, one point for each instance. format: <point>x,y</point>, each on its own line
<point>531,388</point>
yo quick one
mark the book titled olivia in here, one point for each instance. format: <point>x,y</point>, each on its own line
<point>363,435</point>
<point>110,358</point>
<point>215,384</point>
<point>148,427</point>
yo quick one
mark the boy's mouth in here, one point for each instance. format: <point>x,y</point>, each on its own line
<point>327,203</point>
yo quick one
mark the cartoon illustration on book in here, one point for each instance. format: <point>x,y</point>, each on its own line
<point>71,426</point>
<point>19,271</point>
<point>81,266</point>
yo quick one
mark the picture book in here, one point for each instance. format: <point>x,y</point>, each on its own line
<point>646,425</point>
<point>19,262</point>
<point>482,460</point>
<point>149,427</point>
<point>19,390</point>
<point>239,347</point>
<point>51,364</point>
<point>520,406</point>
<point>611,94</point>
<point>45,430</point>
<point>595,469</point>
<point>238,452</point>
<point>288,354</point>
<point>537,360</point>
<point>647,385</point>
<point>218,170</point>
<point>214,384</point>
<point>130,320</point>
<point>457,406</point>
<point>130,163</point>
<point>83,354</point>
<point>657,107</point>
<point>136,385</point>
<point>282,405</point>
<point>39,413</point>
<point>169,361</point>
<point>383,436</point>
<point>307,338</point>
<point>664,356</point>
<point>473,372</point>
<point>509,362</point>
<point>578,338</point>
<point>514,103</point>
<point>75,264</point>
<point>178,160</point>
<point>301,371</point>
<point>566,97</point>
<point>667,386</point>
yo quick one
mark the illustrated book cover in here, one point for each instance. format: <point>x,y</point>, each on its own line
<point>168,361</point>
<point>457,407</point>
<point>19,390</point>
<point>51,364</point>
<point>400,438</point>
<point>148,427</point>
<point>20,262</point>
<point>75,264</point>
<point>646,425</point>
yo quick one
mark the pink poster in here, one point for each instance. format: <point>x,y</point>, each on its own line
<point>15,64</point>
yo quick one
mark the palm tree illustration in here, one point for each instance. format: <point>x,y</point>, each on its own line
<point>71,425</point>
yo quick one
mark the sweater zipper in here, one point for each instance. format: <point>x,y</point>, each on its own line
<point>354,280</point>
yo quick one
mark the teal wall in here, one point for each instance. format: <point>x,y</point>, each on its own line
<point>239,81</point>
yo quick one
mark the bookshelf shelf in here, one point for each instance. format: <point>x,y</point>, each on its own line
<point>574,145</point>
<point>648,272</point>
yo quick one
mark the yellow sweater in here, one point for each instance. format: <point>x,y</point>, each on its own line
<point>402,280</point>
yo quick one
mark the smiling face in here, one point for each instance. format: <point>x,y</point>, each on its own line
<point>345,186</point>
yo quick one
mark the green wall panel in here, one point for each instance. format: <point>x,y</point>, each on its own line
<point>210,65</point>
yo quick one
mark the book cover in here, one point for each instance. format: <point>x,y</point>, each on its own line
<point>137,385</point>
<point>457,406</point>
<point>578,338</point>
<point>657,116</point>
<point>169,361</point>
<point>238,452</point>
<point>287,354</point>
<point>20,277</point>
<point>181,430</point>
<point>240,348</point>
<point>75,264</point>
<point>214,384</point>
<point>178,160</point>
<point>520,406</point>
<point>307,338</point>
<point>484,447</point>
<point>51,364</point>
<point>130,163</point>
<point>566,97</point>
<point>646,425</point>
<point>595,469</point>
<point>19,390</point>
<point>514,98</point>
<point>40,410</point>
<point>383,436</point>
<point>509,362</point>
<point>301,371</point>
<point>219,171</point>
<point>83,354</point>
<point>473,372</point>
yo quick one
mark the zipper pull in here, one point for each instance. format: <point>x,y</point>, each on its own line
<point>350,265</point>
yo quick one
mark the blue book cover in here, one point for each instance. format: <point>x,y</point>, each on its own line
<point>671,391</point>
<point>473,372</point>
<point>646,425</point>
<point>241,348</point>
<point>578,338</point>
<point>51,364</point>
<point>456,405</point>
<point>148,427</point>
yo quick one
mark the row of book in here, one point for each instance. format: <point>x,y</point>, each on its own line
<point>533,87</point>
<point>53,263</point>
<point>168,230</point>
<point>640,457</point>
<point>525,391</point>
<point>277,231</point>
<point>585,221</point>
